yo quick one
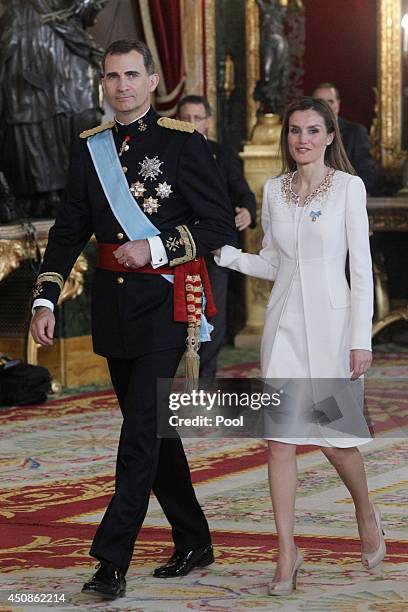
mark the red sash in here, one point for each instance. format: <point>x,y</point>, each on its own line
<point>193,273</point>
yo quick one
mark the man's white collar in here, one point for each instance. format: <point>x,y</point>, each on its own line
<point>137,118</point>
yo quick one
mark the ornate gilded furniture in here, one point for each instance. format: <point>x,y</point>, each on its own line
<point>386,215</point>
<point>16,249</point>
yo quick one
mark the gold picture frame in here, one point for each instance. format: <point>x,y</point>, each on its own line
<point>198,20</point>
<point>252,61</point>
<point>389,84</point>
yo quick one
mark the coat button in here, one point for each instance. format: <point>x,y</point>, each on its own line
<point>120,280</point>
<point>119,236</point>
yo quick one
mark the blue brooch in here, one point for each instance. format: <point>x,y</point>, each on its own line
<point>315,214</point>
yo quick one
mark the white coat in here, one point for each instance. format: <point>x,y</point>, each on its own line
<point>306,260</point>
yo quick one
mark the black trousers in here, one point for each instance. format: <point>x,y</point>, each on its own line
<point>145,462</point>
<point>209,350</point>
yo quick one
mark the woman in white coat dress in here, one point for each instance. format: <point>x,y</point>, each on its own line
<point>315,327</point>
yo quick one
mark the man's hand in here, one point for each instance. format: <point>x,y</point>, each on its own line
<point>216,253</point>
<point>360,361</point>
<point>242,218</point>
<point>134,254</point>
<point>42,326</point>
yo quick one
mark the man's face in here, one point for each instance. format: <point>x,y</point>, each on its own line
<point>328,94</point>
<point>195,113</point>
<point>127,86</point>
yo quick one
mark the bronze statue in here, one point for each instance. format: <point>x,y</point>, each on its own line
<point>49,79</point>
<point>274,54</point>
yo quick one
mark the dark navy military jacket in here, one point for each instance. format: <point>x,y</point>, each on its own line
<point>133,314</point>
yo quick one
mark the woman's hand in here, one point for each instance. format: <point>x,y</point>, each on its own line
<point>242,218</point>
<point>216,253</point>
<point>360,361</point>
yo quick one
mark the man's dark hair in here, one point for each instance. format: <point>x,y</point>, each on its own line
<point>327,85</point>
<point>193,99</point>
<point>121,47</point>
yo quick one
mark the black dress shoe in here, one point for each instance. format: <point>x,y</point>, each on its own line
<point>181,563</point>
<point>107,582</point>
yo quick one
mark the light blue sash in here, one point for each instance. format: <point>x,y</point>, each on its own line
<point>127,212</point>
<point>112,178</point>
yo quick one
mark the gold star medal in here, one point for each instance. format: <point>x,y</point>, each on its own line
<point>150,205</point>
<point>137,189</point>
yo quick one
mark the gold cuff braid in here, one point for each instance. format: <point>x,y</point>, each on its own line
<point>189,246</point>
<point>47,277</point>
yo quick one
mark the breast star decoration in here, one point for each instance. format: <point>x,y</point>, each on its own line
<point>151,205</point>
<point>150,168</point>
<point>137,189</point>
<point>163,190</point>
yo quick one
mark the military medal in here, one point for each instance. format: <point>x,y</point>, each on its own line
<point>315,214</point>
<point>150,205</point>
<point>137,189</point>
<point>163,190</point>
<point>124,146</point>
<point>150,168</point>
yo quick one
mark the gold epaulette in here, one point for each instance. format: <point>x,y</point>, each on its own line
<point>98,128</point>
<point>176,124</point>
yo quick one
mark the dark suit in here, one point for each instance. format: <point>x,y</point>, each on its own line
<point>231,169</point>
<point>357,144</point>
<point>391,244</point>
<point>240,195</point>
<point>132,316</point>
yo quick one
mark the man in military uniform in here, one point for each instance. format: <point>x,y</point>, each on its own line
<point>152,194</point>
<point>197,110</point>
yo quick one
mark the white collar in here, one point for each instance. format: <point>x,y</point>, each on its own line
<point>134,120</point>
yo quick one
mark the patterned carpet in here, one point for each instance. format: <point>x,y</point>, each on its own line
<point>56,465</point>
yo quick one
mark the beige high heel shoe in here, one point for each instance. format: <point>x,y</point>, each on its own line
<point>286,587</point>
<point>371,560</point>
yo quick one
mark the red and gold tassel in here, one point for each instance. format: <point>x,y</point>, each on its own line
<point>194,294</point>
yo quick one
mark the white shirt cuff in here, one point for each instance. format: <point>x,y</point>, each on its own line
<point>159,255</point>
<point>41,302</point>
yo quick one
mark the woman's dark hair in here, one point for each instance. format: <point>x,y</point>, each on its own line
<point>335,155</point>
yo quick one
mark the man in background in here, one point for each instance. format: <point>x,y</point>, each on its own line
<point>356,142</point>
<point>197,110</point>
<point>355,138</point>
